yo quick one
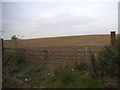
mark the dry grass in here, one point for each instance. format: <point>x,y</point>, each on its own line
<point>11,82</point>
<point>68,40</point>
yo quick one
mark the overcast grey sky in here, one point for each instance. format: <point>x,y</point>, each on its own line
<point>51,18</point>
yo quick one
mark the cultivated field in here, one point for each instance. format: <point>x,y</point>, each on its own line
<point>60,41</point>
<point>61,49</point>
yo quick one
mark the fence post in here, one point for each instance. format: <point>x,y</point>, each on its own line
<point>46,52</point>
<point>86,54</point>
<point>1,58</point>
<point>93,70</point>
<point>113,38</point>
<point>2,48</point>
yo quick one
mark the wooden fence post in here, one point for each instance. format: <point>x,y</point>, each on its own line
<point>86,53</point>
<point>113,38</point>
<point>46,52</point>
<point>93,70</point>
<point>2,48</point>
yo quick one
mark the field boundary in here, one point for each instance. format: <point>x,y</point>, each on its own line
<point>61,54</point>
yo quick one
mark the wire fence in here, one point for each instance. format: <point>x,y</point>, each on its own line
<point>61,54</point>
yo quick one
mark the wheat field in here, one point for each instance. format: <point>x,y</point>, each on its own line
<point>60,41</point>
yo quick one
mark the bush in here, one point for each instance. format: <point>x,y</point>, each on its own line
<point>108,61</point>
<point>16,58</point>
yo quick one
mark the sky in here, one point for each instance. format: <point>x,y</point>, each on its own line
<point>54,18</point>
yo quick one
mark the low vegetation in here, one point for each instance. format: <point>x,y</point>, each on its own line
<point>109,62</point>
<point>34,75</point>
<point>45,76</point>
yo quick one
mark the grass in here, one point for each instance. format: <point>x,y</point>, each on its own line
<point>59,76</point>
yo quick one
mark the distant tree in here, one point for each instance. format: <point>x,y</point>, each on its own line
<point>15,41</point>
<point>14,37</point>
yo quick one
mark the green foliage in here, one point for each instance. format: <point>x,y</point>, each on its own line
<point>19,56</point>
<point>64,75</point>
<point>15,58</point>
<point>65,78</point>
<point>60,77</point>
<point>108,61</point>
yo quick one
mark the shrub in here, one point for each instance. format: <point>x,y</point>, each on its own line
<point>16,58</point>
<point>108,61</point>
